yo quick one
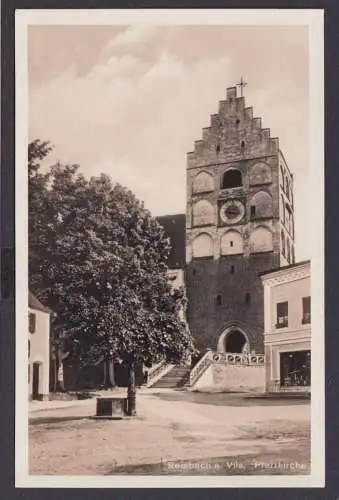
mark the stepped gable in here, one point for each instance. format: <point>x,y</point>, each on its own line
<point>234,134</point>
<point>175,229</point>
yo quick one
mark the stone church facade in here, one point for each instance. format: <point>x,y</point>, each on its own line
<point>239,223</point>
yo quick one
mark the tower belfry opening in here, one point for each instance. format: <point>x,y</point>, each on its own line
<point>231,179</point>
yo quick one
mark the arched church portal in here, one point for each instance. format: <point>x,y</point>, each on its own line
<point>233,340</point>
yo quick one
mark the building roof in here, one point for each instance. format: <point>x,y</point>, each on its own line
<point>35,303</point>
<point>285,268</point>
<point>175,229</point>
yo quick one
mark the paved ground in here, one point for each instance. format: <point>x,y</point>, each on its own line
<point>175,433</point>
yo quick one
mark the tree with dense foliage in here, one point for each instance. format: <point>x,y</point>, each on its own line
<point>98,259</point>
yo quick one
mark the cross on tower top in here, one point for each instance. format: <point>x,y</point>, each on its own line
<point>241,84</point>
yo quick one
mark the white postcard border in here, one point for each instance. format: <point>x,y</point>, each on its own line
<point>314,20</point>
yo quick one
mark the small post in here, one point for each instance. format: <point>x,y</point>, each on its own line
<point>131,391</point>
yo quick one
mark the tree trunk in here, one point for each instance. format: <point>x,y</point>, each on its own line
<point>131,392</point>
<point>105,376</point>
<point>111,373</point>
<point>109,379</point>
<point>60,377</point>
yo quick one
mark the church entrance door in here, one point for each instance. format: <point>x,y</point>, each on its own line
<point>235,342</point>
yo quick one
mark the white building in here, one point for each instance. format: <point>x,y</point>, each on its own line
<point>287,335</point>
<point>38,348</point>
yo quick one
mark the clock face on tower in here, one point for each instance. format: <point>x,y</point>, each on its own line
<point>232,211</point>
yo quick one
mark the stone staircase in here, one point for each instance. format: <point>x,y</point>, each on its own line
<point>177,377</point>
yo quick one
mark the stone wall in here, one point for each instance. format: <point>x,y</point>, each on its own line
<point>232,377</point>
<point>232,277</point>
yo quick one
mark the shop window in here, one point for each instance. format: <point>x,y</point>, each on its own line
<point>295,368</point>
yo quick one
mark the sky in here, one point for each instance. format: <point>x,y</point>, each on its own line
<point>130,101</point>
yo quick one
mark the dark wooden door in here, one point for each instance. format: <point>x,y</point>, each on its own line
<point>35,381</point>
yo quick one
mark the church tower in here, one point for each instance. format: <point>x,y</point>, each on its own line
<point>239,223</point>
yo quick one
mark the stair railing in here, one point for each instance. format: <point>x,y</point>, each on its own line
<point>156,372</point>
<point>239,358</point>
<point>200,367</point>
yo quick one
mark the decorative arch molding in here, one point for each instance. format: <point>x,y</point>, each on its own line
<point>261,205</point>
<point>222,341</point>
<point>203,183</point>
<point>231,178</point>
<point>283,243</point>
<point>203,213</point>
<point>282,209</point>
<point>260,173</point>
<point>288,251</point>
<point>261,240</point>
<point>202,246</point>
<point>282,178</point>
<point>231,243</point>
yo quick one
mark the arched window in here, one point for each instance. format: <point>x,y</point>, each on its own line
<point>231,178</point>
<point>288,251</point>
<point>282,210</point>
<point>231,243</point>
<point>261,240</point>
<point>202,183</point>
<point>260,173</point>
<point>203,213</point>
<point>283,248</point>
<point>261,205</point>
<point>242,147</point>
<point>202,246</point>
<point>282,178</point>
<point>286,216</point>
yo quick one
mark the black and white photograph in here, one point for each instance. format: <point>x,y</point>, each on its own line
<point>169,225</point>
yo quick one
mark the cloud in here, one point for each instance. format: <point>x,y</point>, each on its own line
<point>133,121</point>
<point>136,112</point>
<point>134,35</point>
